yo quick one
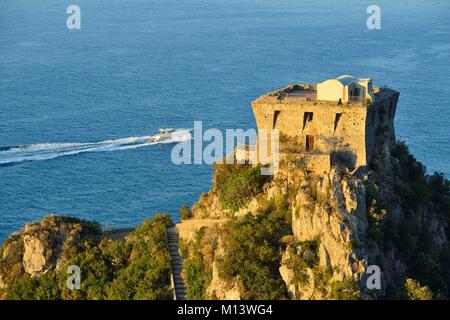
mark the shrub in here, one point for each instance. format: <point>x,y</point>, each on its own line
<point>185,213</point>
<point>346,289</point>
<point>197,269</point>
<point>376,212</point>
<point>305,257</point>
<point>195,282</point>
<point>254,253</point>
<point>416,291</point>
<point>240,186</point>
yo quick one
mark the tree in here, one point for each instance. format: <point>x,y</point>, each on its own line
<point>416,291</point>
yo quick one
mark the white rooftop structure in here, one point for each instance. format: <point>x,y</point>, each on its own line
<point>345,88</point>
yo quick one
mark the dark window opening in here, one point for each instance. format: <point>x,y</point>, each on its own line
<point>336,120</point>
<point>275,118</point>
<point>309,143</point>
<point>307,117</point>
<point>356,94</point>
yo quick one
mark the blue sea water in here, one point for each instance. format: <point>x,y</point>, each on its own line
<point>139,65</point>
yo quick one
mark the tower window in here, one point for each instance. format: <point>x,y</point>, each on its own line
<point>336,120</point>
<point>275,118</point>
<point>309,143</point>
<point>307,117</point>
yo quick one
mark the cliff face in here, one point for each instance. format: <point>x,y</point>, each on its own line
<point>41,246</point>
<point>331,210</point>
<point>391,216</point>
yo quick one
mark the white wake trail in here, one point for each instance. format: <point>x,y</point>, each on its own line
<point>47,151</point>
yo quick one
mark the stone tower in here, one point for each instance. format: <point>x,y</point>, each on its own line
<point>326,118</point>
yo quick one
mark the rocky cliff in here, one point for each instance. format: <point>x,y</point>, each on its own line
<point>336,231</point>
<point>117,264</point>
<point>41,246</point>
<point>372,233</point>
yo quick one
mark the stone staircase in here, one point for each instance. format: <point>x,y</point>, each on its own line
<point>177,264</point>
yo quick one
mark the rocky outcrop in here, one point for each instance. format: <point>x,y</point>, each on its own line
<point>42,261</point>
<point>222,289</point>
<point>209,207</point>
<point>34,259</point>
<point>306,290</point>
<point>336,216</point>
<point>188,229</point>
<point>354,218</point>
<point>41,246</point>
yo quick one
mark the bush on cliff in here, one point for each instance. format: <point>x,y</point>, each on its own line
<point>416,291</point>
<point>420,197</point>
<point>185,213</point>
<point>198,255</point>
<point>147,276</point>
<point>195,280</point>
<point>346,289</point>
<point>253,252</point>
<point>237,184</point>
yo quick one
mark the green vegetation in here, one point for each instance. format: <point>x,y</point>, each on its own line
<point>376,212</point>
<point>135,268</point>
<point>198,256</point>
<point>185,213</point>
<point>416,291</point>
<point>237,184</point>
<point>89,227</point>
<point>306,256</point>
<point>344,290</point>
<point>419,195</point>
<point>254,252</point>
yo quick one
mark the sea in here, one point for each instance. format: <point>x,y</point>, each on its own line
<point>77,106</point>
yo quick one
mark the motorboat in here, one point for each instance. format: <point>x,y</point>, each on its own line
<point>163,134</point>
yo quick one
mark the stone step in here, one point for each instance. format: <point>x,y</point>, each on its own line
<point>176,263</point>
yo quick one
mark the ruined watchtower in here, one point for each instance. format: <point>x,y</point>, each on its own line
<point>345,113</point>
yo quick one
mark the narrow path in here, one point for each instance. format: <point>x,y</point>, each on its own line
<point>177,264</point>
